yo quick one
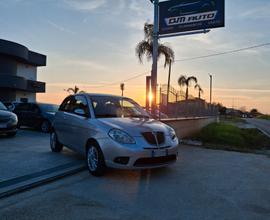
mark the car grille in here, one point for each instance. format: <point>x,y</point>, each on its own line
<point>4,119</point>
<point>154,161</point>
<point>154,138</point>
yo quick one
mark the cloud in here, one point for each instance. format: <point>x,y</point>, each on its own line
<point>86,64</point>
<point>257,12</point>
<point>59,27</point>
<point>139,8</point>
<point>85,5</point>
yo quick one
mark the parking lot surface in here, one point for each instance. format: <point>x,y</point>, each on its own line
<point>203,184</point>
<point>29,152</point>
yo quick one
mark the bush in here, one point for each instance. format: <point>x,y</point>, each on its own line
<point>266,117</point>
<point>223,134</point>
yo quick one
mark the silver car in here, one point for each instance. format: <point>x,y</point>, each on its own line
<point>112,131</point>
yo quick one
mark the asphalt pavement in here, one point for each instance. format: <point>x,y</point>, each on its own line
<point>262,124</point>
<point>203,184</point>
<point>26,161</point>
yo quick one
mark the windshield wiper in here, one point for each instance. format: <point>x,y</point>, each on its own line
<point>106,116</point>
<point>138,116</point>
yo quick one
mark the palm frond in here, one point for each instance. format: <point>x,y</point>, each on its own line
<point>191,79</point>
<point>143,48</point>
<point>148,32</point>
<point>70,90</point>
<point>167,52</point>
<point>197,86</point>
<point>182,80</point>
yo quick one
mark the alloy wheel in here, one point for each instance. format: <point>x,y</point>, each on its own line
<point>92,158</point>
<point>53,140</point>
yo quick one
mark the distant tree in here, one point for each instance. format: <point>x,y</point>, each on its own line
<point>75,90</point>
<point>145,47</point>
<point>200,90</point>
<point>186,81</point>
<point>222,109</point>
<point>122,87</point>
<point>254,112</point>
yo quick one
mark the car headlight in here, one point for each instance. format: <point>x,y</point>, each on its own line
<point>172,133</point>
<point>13,119</point>
<point>121,136</point>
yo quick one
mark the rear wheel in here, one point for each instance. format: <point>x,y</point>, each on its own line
<point>45,126</point>
<point>95,160</point>
<point>56,146</point>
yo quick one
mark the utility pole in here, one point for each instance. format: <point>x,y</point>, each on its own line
<point>211,79</point>
<point>148,86</point>
<point>155,56</point>
<point>168,86</point>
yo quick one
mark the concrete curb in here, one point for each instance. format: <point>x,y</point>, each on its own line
<point>20,184</point>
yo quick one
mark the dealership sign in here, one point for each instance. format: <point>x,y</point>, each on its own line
<point>188,15</point>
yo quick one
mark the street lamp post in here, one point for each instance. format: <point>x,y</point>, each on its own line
<point>211,79</point>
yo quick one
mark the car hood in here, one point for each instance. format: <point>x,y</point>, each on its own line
<point>49,115</point>
<point>134,126</point>
<point>5,114</point>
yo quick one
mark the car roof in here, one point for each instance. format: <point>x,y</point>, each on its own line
<point>101,95</point>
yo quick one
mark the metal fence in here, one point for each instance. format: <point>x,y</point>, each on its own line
<point>174,104</point>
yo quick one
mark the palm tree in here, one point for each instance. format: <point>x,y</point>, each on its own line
<point>200,90</point>
<point>186,81</point>
<point>122,87</point>
<point>145,47</point>
<point>75,90</point>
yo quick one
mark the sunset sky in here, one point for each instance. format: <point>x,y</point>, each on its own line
<point>91,44</point>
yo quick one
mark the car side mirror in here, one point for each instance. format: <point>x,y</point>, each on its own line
<point>80,112</point>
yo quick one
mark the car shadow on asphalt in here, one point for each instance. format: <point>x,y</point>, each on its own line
<point>145,174</point>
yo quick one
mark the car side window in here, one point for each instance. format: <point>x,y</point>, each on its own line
<point>35,109</point>
<point>23,107</point>
<point>80,102</point>
<point>66,106</point>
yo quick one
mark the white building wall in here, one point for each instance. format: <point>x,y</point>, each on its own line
<point>30,96</point>
<point>27,71</point>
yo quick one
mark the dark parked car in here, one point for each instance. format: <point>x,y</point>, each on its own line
<point>8,121</point>
<point>10,105</point>
<point>36,115</point>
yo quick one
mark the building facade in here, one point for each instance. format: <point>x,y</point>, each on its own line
<point>18,72</point>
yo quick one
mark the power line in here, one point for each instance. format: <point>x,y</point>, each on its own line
<point>122,81</point>
<point>223,53</point>
<point>186,59</point>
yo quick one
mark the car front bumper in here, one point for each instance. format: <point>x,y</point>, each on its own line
<point>8,129</point>
<point>138,156</point>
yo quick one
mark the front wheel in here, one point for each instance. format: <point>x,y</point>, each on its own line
<point>95,160</point>
<point>56,146</point>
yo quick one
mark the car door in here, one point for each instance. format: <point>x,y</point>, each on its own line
<point>61,123</point>
<point>80,127</point>
<point>22,111</point>
<point>34,116</point>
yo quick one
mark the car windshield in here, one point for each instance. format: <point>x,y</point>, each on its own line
<point>2,106</point>
<point>116,107</point>
<point>48,107</point>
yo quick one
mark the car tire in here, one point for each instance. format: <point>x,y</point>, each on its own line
<point>45,126</point>
<point>56,146</point>
<point>95,160</point>
<point>12,134</point>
